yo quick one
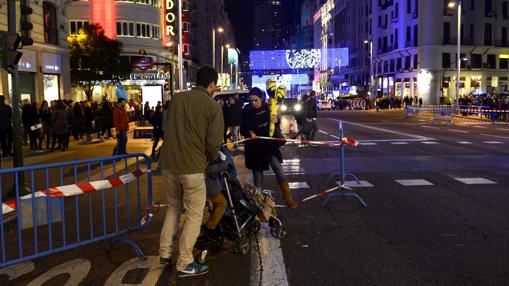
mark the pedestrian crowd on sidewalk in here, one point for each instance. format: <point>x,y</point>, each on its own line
<point>50,125</point>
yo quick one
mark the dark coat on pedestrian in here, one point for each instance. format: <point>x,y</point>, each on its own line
<point>78,119</point>
<point>258,153</point>
<point>157,122</point>
<point>45,115</point>
<point>310,108</point>
<point>5,116</point>
<point>106,116</point>
<point>60,119</point>
<point>233,114</point>
<point>89,117</point>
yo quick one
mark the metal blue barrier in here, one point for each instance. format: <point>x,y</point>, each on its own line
<point>44,225</point>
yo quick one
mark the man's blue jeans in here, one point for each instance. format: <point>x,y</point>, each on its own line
<point>121,142</point>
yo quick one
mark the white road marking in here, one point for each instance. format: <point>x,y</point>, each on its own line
<point>383,129</point>
<point>390,140</point>
<point>334,136</point>
<point>399,143</point>
<point>429,142</point>
<point>77,269</point>
<point>474,181</point>
<point>495,136</point>
<point>323,132</point>
<point>503,129</point>
<point>465,142</point>
<point>478,126</point>
<point>456,130</point>
<point>274,272</point>
<point>368,143</point>
<point>299,185</point>
<point>17,270</point>
<point>354,184</point>
<point>152,264</point>
<point>493,142</point>
<point>431,127</point>
<point>414,182</point>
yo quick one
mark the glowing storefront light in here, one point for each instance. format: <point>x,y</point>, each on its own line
<point>286,79</point>
<point>424,82</point>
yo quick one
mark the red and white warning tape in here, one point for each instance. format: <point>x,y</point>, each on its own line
<point>77,189</point>
<point>346,141</point>
<point>321,194</point>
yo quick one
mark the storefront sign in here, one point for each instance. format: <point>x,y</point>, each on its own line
<point>28,62</point>
<point>51,63</point>
<point>169,18</point>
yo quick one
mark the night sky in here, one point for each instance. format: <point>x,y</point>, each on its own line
<point>241,16</point>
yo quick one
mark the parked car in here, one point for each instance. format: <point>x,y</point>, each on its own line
<point>324,105</point>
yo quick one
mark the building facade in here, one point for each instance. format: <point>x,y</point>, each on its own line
<point>44,66</point>
<point>415,48</point>
<point>149,29</point>
<point>270,25</point>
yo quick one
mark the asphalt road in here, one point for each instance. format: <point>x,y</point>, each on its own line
<point>440,231</point>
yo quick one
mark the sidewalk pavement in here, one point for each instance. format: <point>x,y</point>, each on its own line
<point>95,265</point>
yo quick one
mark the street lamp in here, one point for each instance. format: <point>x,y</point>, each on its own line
<point>219,30</point>
<point>371,78</point>
<point>451,5</point>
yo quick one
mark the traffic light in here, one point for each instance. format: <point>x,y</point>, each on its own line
<point>26,25</point>
<point>10,43</point>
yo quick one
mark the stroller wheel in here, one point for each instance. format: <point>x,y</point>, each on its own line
<point>241,247</point>
<point>278,231</point>
<point>255,226</point>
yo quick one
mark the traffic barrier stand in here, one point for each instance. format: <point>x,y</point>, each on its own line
<point>343,175</point>
<point>87,206</point>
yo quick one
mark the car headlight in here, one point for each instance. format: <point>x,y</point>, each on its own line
<point>284,107</point>
<point>297,107</point>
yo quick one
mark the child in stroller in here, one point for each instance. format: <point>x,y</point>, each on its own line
<point>234,209</point>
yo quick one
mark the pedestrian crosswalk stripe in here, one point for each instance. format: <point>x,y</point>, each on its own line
<point>368,143</point>
<point>354,184</point>
<point>414,182</point>
<point>465,142</point>
<point>493,142</point>
<point>399,143</point>
<point>298,185</point>
<point>429,142</point>
<point>474,181</point>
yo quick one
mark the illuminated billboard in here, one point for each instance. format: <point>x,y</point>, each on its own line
<point>286,79</point>
<point>297,59</point>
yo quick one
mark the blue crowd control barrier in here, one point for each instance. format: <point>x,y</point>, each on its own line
<point>73,204</point>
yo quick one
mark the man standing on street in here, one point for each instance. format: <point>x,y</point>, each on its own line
<point>5,128</point>
<point>311,114</point>
<point>193,132</point>
<point>122,126</point>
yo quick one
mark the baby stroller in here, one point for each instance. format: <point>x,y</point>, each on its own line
<point>243,212</point>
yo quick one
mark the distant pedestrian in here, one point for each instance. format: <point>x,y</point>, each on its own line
<point>157,122</point>
<point>106,118</point>
<point>78,125</point>
<point>193,126</point>
<point>311,114</point>
<point>60,125</point>
<point>89,118</point>
<point>32,123</point>
<point>122,126</point>
<point>234,115</point>
<point>45,116</point>
<point>5,128</point>
<point>420,101</point>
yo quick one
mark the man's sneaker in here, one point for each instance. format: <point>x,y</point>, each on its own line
<point>193,269</point>
<point>165,261</point>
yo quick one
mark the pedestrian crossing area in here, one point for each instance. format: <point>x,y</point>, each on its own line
<point>410,182</point>
<point>437,142</point>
